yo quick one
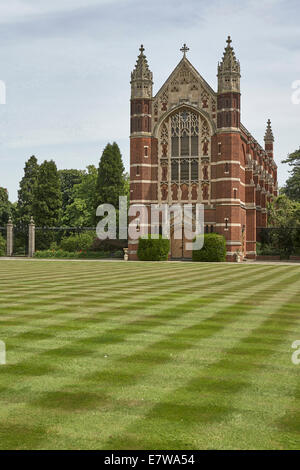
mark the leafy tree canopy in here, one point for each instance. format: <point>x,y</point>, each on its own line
<point>68,179</point>
<point>80,211</point>
<point>292,186</point>
<point>284,213</point>
<point>5,207</point>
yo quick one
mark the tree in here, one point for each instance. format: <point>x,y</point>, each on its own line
<point>284,218</point>
<point>47,203</point>
<point>80,211</point>
<point>5,207</point>
<point>292,185</point>
<point>26,192</point>
<point>283,212</point>
<point>111,180</point>
<point>68,179</point>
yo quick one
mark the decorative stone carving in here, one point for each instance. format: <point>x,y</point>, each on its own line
<point>164,100</point>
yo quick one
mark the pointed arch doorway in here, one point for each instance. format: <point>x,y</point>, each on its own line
<point>178,245</point>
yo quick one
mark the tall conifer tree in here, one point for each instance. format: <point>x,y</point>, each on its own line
<point>26,191</point>
<point>111,181</point>
<point>47,202</point>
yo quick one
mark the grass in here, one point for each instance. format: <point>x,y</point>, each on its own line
<point>114,355</point>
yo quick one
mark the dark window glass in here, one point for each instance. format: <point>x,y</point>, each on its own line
<point>194,171</point>
<point>175,146</point>
<point>184,171</point>
<point>174,170</point>
<point>185,145</point>
<point>194,144</point>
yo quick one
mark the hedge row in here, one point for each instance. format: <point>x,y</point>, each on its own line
<point>61,254</point>
<point>153,249</point>
<point>157,249</point>
<point>2,246</point>
<point>214,249</point>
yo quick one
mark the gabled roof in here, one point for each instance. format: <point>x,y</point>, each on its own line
<point>183,61</point>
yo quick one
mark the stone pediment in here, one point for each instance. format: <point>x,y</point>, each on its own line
<point>184,86</point>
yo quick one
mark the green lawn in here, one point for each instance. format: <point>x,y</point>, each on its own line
<point>115,355</point>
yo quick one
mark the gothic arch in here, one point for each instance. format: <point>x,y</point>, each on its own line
<point>177,108</point>
<point>184,156</point>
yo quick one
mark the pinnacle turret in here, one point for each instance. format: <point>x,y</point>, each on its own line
<point>229,70</point>
<point>141,77</point>
<point>269,137</point>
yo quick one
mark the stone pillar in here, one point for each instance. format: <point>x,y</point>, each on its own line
<point>31,239</point>
<point>9,238</point>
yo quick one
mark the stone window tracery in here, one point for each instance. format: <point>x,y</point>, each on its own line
<point>184,142</point>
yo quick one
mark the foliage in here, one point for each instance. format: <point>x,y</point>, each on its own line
<point>109,245</point>
<point>26,192</point>
<point>68,179</point>
<point>153,249</point>
<point>292,185</point>
<point>80,212</point>
<point>2,246</point>
<point>214,248</point>
<point>5,207</point>
<point>283,212</point>
<point>47,203</point>
<point>266,249</point>
<point>111,181</point>
<point>81,241</point>
<point>284,218</point>
<point>84,254</point>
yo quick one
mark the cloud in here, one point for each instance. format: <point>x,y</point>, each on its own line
<point>16,10</point>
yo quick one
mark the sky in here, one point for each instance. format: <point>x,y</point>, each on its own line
<point>66,67</point>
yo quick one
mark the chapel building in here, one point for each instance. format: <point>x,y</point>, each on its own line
<point>188,145</point>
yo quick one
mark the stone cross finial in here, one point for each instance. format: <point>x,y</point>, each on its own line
<point>184,49</point>
<point>229,41</point>
<point>142,49</point>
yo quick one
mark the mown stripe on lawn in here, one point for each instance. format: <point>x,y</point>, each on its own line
<point>146,323</point>
<point>143,365</point>
<point>123,307</point>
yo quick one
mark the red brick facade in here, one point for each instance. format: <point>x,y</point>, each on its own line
<point>188,145</point>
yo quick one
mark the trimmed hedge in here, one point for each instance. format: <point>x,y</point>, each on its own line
<point>2,246</point>
<point>153,249</point>
<point>214,248</point>
<point>61,254</point>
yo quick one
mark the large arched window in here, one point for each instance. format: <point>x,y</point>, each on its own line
<point>184,153</point>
